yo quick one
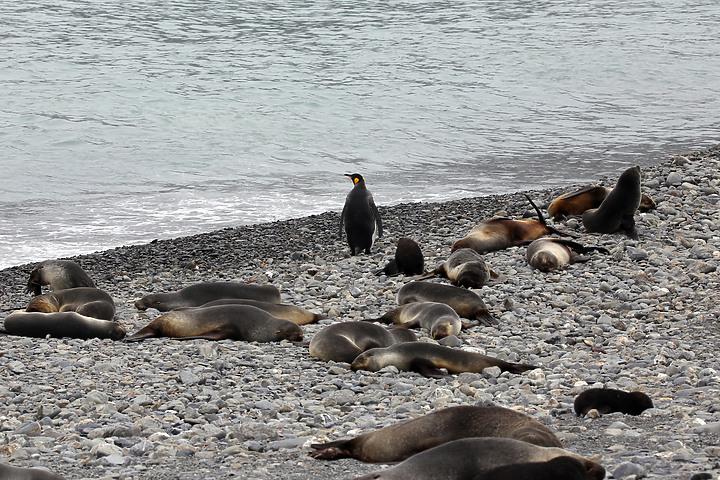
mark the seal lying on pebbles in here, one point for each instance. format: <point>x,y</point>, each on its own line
<point>616,212</point>
<point>343,342</point>
<point>61,324</point>
<point>293,313</point>
<point>577,202</point>
<point>408,259</point>
<point>438,318</point>
<point>59,274</point>
<point>88,301</point>
<point>234,322</point>
<point>464,268</point>
<point>205,292</point>
<point>547,254</point>
<point>399,441</point>
<point>608,400</point>
<point>559,468</point>
<point>428,358</point>
<point>360,217</point>
<point>468,457</point>
<point>500,232</point>
<point>17,473</point>
<point>466,303</point>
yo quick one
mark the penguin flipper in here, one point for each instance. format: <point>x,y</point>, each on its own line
<point>376,216</point>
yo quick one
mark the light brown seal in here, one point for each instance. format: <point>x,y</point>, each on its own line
<point>205,292</point>
<point>609,400</point>
<point>342,342</point>
<point>428,358</point>
<point>466,303</point>
<point>559,468</point>
<point>438,318</point>
<point>293,313</point>
<point>464,268</point>
<point>88,301</point>
<point>465,458</point>
<point>59,274</point>
<point>18,473</point>
<point>548,254</point>
<point>616,212</point>
<point>61,324</point>
<point>234,322</point>
<point>399,441</point>
<point>586,198</point>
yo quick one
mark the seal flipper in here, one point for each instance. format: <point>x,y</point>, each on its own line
<point>516,367</point>
<point>141,335</point>
<point>427,368</point>
<point>331,450</point>
<point>541,219</point>
<point>627,225</point>
<point>485,318</point>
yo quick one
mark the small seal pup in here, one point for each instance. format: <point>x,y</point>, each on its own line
<point>408,259</point>
<point>293,313</point>
<point>396,442</point>
<point>466,303</point>
<point>468,457</point>
<point>360,217</point>
<point>59,274</point>
<point>577,202</point>
<point>438,318</point>
<point>464,268</point>
<point>61,324</point>
<point>559,468</point>
<point>88,301</point>
<point>234,322</point>
<point>609,400</point>
<point>428,358</point>
<point>547,254</point>
<point>342,342</point>
<point>18,473</point>
<point>616,212</point>
<point>499,233</point>
<point>205,292</point>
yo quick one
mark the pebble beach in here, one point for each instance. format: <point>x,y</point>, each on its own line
<point>643,317</point>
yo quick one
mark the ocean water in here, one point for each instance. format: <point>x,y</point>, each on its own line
<point>126,121</point>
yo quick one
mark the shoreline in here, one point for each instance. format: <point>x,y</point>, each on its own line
<point>234,409</point>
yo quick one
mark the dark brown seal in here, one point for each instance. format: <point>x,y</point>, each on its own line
<point>438,318</point>
<point>342,342</point>
<point>59,274</point>
<point>88,301</point>
<point>466,303</point>
<point>408,259</point>
<point>559,468</point>
<point>61,324</point>
<point>616,212</point>
<point>234,322</point>
<point>468,457</point>
<point>608,400</point>
<point>399,441</point>
<point>205,292</point>
<point>586,198</point>
<point>548,254</point>
<point>464,268</point>
<point>428,358</point>
<point>293,313</point>
<point>18,473</point>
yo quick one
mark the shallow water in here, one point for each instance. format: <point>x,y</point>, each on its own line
<point>128,121</point>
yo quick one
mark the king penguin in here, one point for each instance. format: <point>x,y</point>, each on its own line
<point>360,217</point>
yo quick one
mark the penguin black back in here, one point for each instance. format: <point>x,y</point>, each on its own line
<point>360,217</point>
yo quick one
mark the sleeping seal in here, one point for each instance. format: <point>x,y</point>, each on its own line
<point>295,314</point>
<point>61,324</point>
<point>466,303</point>
<point>18,473</point>
<point>438,318</point>
<point>205,292</point>
<point>559,468</point>
<point>399,441</point>
<point>616,212</point>
<point>577,202</point>
<point>342,342</point>
<point>59,274</point>
<point>464,268</point>
<point>88,301</point>
<point>547,254</point>
<point>609,400</point>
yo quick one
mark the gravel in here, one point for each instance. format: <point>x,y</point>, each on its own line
<point>642,317</point>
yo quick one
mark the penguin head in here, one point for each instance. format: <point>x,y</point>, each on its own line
<point>355,177</point>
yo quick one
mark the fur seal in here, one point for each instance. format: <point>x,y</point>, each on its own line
<point>234,322</point>
<point>466,303</point>
<point>464,268</point>
<point>499,233</point>
<point>295,314</point>
<point>608,400</point>
<point>360,217</point>
<point>547,254</point>
<point>88,301</point>
<point>61,324</point>
<point>440,319</point>
<point>559,468</point>
<point>428,358</point>
<point>578,201</point>
<point>396,442</point>
<point>468,457</point>
<point>342,342</point>
<point>205,292</point>
<point>17,473</point>
<point>59,274</point>
<point>616,212</point>
<point>408,259</point>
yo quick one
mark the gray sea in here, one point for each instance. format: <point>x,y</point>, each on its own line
<point>126,121</point>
